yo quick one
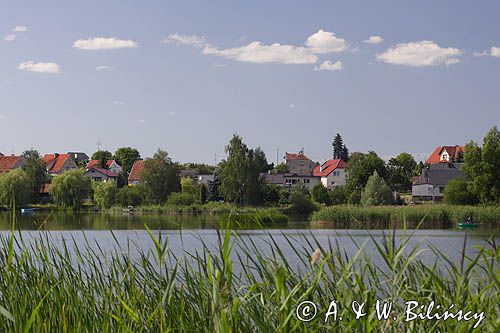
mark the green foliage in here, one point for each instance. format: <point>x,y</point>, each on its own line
<point>376,192</point>
<point>104,193</point>
<point>241,182</point>
<point>270,194</point>
<point>320,194</point>
<point>125,157</point>
<point>213,190</point>
<point>15,188</point>
<point>261,160</point>
<point>284,195</point>
<point>340,150</point>
<point>482,166</point>
<point>401,169</point>
<point>361,167</point>
<point>102,156</point>
<point>200,168</point>
<point>188,187</point>
<point>36,171</point>
<point>300,201</point>
<point>339,195</point>
<point>457,192</point>
<point>181,199</point>
<point>203,193</point>
<point>131,196</point>
<point>282,168</point>
<point>160,177</point>
<point>70,189</point>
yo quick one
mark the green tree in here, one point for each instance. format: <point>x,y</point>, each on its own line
<point>126,156</point>
<point>457,192</point>
<point>180,199</point>
<point>482,167</point>
<point>203,193</point>
<point>104,194</point>
<point>213,193</point>
<point>401,169</point>
<point>320,194</point>
<point>361,167</point>
<point>270,194</point>
<point>70,189</point>
<point>300,201</point>
<point>376,192</point>
<point>131,196</point>
<point>103,156</point>
<point>261,160</point>
<point>339,195</point>
<point>188,187</point>
<point>160,177</point>
<point>282,168</point>
<point>240,174</point>
<point>15,188</point>
<point>340,150</point>
<point>36,171</point>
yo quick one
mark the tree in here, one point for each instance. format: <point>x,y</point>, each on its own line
<point>376,192</point>
<point>457,192</point>
<point>180,199</point>
<point>103,156</point>
<point>340,150</point>
<point>261,160</point>
<point>70,189</point>
<point>15,188</point>
<point>361,167</point>
<point>240,174</point>
<point>36,171</point>
<point>482,167</point>
<point>300,200</point>
<point>104,194</point>
<point>160,176</point>
<point>339,195</point>
<point>282,168</point>
<point>131,196</point>
<point>203,193</point>
<point>188,187</point>
<point>270,194</point>
<point>401,169</point>
<point>320,194</point>
<point>126,156</point>
<point>213,190</point>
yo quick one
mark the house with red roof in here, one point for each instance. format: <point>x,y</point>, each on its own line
<point>97,174</point>
<point>444,154</point>
<point>58,163</point>
<point>332,173</point>
<point>111,165</point>
<point>8,163</point>
<point>134,178</point>
<point>299,164</point>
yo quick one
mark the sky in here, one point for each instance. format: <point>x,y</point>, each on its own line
<point>184,76</point>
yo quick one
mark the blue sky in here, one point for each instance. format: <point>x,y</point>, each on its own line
<point>184,76</point>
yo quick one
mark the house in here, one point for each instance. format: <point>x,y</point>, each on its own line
<point>111,165</point>
<point>277,179</point>
<point>58,163</point>
<point>453,154</point>
<point>79,157</point>
<point>100,175</point>
<point>189,173</point>
<point>332,173</point>
<point>203,179</point>
<point>299,163</point>
<point>7,163</point>
<point>134,177</point>
<point>430,185</point>
<point>290,180</point>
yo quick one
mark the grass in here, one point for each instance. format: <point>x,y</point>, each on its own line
<point>236,287</point>
<point>384,216</point>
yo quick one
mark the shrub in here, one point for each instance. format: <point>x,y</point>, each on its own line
<point>270,194</point>
<point>70,188</point>
<point>457,193</point>
<point>131,196</point>
<point>300,201</point>
<point>104,194</point>
<point>320,194</point>
<point>15,188</point>
<point>339,195</point>
<point>376,192</point>
<point>180,199</point>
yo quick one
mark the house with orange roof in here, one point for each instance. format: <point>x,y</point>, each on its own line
<point>332,173</point>
<point>58,163</point>
<point>8,163</point>
<point>97,174</point>
<point>443,154</point>
<point>111,165</point>
<point>299,163</point>
<point>134,178</point>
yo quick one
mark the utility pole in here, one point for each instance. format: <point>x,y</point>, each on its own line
<point>277,155</point>
<point>99,143</point>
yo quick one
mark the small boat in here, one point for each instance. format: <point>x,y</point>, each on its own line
<point>468,225</point>
<point>129,209</point>
<point>28,210</point>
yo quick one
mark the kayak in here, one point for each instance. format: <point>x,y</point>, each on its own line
<point>468,225</point>
<point>28,210</point>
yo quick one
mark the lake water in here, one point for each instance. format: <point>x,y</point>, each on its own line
<point>189,233</point>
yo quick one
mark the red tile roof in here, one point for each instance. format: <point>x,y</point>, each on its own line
<point>451,150</point>
<point>104,172</point>
<point>97,163</point>
<point>135,172</point>
<point>326,168</point>
<point>292,156</point>
<point>54,162</point>
<point>8,163</point>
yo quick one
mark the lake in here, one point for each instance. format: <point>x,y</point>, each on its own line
<point>189,233</point>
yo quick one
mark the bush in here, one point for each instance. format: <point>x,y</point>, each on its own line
<point>300,201</point>
<point>376,192</point>
<point>104,194</point>
<point>70,188</point>
<point>180,199</point>
<point>15,188</point>
<point>457,193</point>
<point>131,196</point>
<point>320,194</point>
<point>270,194</point>
<point>339,195</point>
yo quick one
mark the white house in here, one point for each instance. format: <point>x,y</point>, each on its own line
<point>332,173</point>
<point>430,185</point>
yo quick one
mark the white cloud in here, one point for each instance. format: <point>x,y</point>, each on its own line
<point>327,65</point>
<point>3,117</point>
<point>480,54</point>
<point>10,38</point>
<point>419,54</point>
<point>101,67</point>
<point>193,40</point>
<point>20,28</point>
<point>323,42</point>
<point>172,113</point>
<point>118,103</point>
<point>142,121</point>
<point>40,67</point>
<point>257,52</point>
<point>292,106</point>
<point>102,43</point>
<point>374,40</point>
<point>495,51</point>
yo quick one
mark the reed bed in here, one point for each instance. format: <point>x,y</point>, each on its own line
<point>236,286</point>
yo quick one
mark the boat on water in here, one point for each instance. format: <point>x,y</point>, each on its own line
<point>129,209</point>
<point>28,210</point>
<point>468,224</point>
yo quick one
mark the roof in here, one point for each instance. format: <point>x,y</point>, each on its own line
<point>299,156</point>
<point>326,168</point>
<point>54,162</point>
<point>8,163</point>
<point>97,163</point>
<point>439,174</point>
<point>103,171</point>
<point>452,151</point>
<point>135,172</point>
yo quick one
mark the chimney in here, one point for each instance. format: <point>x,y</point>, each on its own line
<point>56,155</point>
